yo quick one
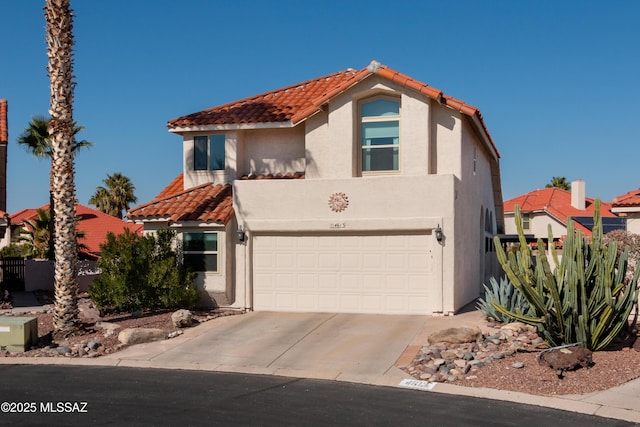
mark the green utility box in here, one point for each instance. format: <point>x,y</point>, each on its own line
<point>18,333</point>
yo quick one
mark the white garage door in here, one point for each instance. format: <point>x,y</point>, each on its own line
<point>388,274</point>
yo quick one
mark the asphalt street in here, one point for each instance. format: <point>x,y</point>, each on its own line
<point>96,396</point>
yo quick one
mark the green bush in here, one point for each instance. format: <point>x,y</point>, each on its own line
<point>141,273</point>
<point>585,299</point>
<point>506,295</point>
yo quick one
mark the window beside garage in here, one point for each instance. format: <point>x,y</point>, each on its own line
<point>201,250</point>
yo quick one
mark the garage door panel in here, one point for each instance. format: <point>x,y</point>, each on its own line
<point>343,273</point>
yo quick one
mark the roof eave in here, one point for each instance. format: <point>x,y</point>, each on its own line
<point>234,126</point>
<point>621,209</point>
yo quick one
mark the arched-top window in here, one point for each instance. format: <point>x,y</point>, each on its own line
<point>380,134</point>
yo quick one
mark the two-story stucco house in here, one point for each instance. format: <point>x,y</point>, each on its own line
<point>362,191</point>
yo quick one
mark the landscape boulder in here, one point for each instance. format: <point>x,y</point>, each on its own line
<point>566,359</point>
<point>182,318</point>
<point>131,336</point>
<point>456,335</point>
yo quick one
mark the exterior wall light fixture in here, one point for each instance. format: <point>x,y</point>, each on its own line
<point>438,232</point>
<point>240,234</point>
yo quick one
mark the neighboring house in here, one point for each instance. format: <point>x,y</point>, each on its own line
<point>361,191</point>
<point>628,206</point>
<point>93,224</point>
<point>554,206</point>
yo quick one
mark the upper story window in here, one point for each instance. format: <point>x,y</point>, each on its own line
<point>208,153</point>
<point>380,135</point>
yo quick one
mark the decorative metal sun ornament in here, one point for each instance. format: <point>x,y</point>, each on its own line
<point>338,202</point>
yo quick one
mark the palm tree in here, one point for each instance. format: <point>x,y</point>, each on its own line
<point>37,141</point>
<point>59,36</point>
<point>559,182</point>
<point>36,235</point>
<point>116,196</point>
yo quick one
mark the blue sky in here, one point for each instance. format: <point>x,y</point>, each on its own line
<point>556,81</point>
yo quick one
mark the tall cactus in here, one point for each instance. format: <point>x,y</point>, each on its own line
<point>584,299</point>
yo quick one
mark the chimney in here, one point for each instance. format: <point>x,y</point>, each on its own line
<point>578,194</point>
<point>4,142</point>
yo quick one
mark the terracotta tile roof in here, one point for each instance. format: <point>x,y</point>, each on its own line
<point>205,203</point>
<point>630,199</point>
<point>297,102</point>
<point>288,175</point>
<point>95,224</point>
<point>557,204</point>
<point>176,186</point>
<point>4,124</point>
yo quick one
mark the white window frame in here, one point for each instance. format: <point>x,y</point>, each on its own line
<point>209,143</point>
<point>215,252</point>
<point>378,119</point>
<point>526,221</point>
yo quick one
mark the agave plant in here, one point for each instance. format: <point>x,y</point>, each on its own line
<point>505,295</point>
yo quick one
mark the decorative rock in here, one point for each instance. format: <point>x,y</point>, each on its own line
<point>443,360</point>
<point>107,326</point>
<point>566,358</point>
<point>140,335</point>
<point>182,318</point>
<point>63,351</point>
<point>438,362</point>
<point>93,345</point>
<point>456,335</point>
<point>448,355</point>
<point>175,334</point>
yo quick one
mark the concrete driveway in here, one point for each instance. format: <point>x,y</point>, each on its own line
<point>347,347</point>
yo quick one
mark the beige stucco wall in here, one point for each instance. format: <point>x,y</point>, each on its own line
<point>633,223</point>
<point>474,200</point>
<point>193,177</point>
<point>272,151</point>
<point>331,141</point>
<point>376,204</point>
<point>538,225</point>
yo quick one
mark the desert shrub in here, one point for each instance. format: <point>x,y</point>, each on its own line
<point>506,295</point>
<point>625,239</point>
<point>140,273</point>
<point>15,251</point>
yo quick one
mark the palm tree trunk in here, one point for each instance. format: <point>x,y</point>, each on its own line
<point>59,35</point>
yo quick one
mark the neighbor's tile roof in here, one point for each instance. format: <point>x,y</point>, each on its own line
<point>630,199</point>
<point>299,101</point>
<point>4,125</point>
<point>94,224</point>
<point>205,203</point>
<point>557,204</point>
